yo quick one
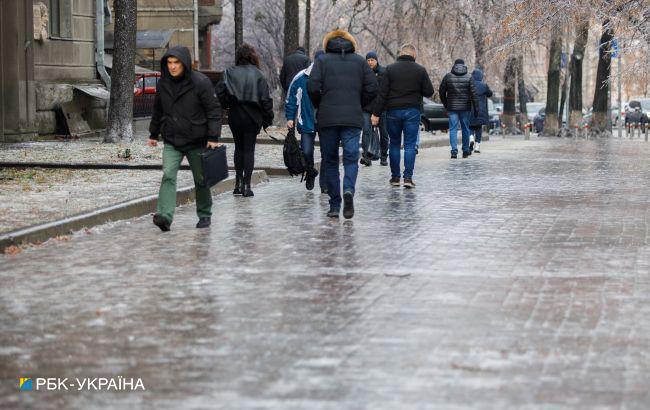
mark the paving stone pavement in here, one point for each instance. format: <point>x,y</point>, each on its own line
<point>516,279</point>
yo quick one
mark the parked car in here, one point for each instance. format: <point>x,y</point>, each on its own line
<point>538,120</point>
<point>636,113</point>
<point>146,83</point>
<point>434,116</point>
<point>533,109</point>
<point>494,114</point>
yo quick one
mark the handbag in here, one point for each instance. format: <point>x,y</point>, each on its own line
<point>214,164</point>
<point>373,150</point>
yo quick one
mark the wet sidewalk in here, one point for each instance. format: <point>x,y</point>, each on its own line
<point>518,278</point>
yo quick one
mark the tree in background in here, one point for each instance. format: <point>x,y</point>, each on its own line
<point>551,128</point>
<point>120,111</point>
<point>239,24</point>
<point>600,122</point>
<point>575,67</point>
<point>291,26</point>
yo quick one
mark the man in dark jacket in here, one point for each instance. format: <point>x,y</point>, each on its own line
<point>341,83</point>
<point>292,65</point>
<point>458,95</point>
<point>403,86</point>
<point>188,115</point>
<point>481,115</point>
<point>373,62</point>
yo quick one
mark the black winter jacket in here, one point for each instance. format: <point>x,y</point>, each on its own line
<point>403,85</point>
<point>379,73</point>
<point>186,111</point>
<point>292,65</point>
<point>341,83</point>
<point>457,91</point>
<point>245,92</point>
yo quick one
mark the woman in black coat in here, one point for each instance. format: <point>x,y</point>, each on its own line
<point>244,91</point>
<point>477,122</point>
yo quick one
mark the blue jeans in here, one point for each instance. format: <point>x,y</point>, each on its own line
<point>330,140</point>
<point>406,121</point>
<point>456,117</point>
<point>307,147</point>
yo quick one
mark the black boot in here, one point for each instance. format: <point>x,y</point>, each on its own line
<point>238,185</point>
<point>311,178</point>
<point>246,191</point>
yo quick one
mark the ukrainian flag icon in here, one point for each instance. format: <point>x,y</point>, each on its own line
<point>25,384</point>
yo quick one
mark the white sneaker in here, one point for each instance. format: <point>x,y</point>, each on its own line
<point>477,147</point>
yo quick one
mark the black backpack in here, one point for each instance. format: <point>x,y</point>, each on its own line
<point>294,159</point>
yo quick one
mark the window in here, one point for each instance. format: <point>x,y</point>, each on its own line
<point>60,19</point>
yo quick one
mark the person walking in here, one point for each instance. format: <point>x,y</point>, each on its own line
<point>458,95</point>
<point>244,91</point>
<point>292,65</point>
<point>373,62</point>
<point>340,84</point>
<point>299,112</point>
<point>403,86</point>
<point>188,116</point>
<point>481,116</point>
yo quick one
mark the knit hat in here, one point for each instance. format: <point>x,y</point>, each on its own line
<point>459,61</point>
<point>372,54</point>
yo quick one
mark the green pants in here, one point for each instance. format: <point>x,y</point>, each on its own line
<point>167,197</point>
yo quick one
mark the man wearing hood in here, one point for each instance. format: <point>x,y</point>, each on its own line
<point>341,83</point>
<point>187,114</point>
<point>292,65</point>
<point>481,115</point>
<point>373,61</point>
<point>458,95</point>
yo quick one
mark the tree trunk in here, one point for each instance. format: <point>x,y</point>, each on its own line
<point>306,40</point>
<point>553,86</point>
<point>563,97</point>
<point>599,121</point>
<point>509,81</point>
<point>291,26</point>
<point>120,112</point>
<point>521,87</point>
<point>239,24</point>
<point>478,34</point>
<point>575,91</point>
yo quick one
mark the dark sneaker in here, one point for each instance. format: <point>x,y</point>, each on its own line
<point>203,222</point>
<point>395,181</point>
<point>333,213</point>
<point>384,162</point>
<point>417,150</point>
<point>466,154</point>
<point>454,155</point>
<point>161,222</point>
<point>408,183</point>
<point>365,161</point>
<point>348,205</point>
<point>311,177</point>
<point>471,147</point>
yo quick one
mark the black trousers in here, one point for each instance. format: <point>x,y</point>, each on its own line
<point>245,136</point>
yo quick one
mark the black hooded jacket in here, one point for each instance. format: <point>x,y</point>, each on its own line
<point>457,91</point>
<point>403,85</point>
<point>292,65</point>
<point>186,110</point>
<point>341,83</point>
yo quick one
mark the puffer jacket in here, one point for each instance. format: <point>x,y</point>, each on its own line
<point>481,116</point>
<point>341,83</point>
<point>457,91</point>
<point>186,111</point>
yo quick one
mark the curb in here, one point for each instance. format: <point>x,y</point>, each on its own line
<point>125,210</point>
